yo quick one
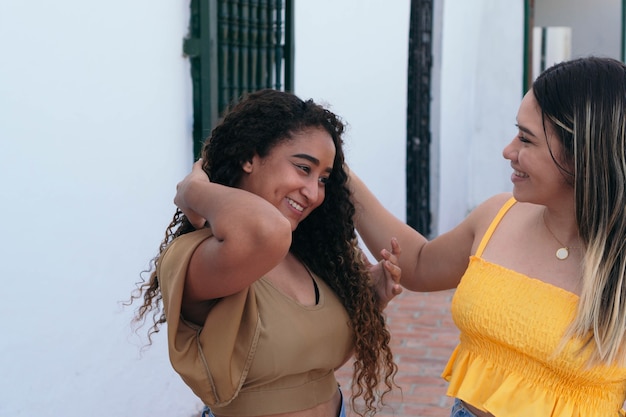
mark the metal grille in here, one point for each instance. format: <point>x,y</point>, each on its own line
<point>236,47</point>
<point>418,117</point>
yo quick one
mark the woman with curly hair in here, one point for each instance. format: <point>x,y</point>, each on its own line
<point>260,278</point>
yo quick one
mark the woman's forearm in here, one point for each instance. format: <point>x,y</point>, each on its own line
<point>377,225</point>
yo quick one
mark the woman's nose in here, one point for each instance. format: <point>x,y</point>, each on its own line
<point>311,191</point>
<point>510,152</point>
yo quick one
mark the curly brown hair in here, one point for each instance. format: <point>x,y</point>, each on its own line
<point>325,241</point>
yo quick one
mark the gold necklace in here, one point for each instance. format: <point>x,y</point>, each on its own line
<point>563,252</point>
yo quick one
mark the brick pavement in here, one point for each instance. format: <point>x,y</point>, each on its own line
<point>423,336</point>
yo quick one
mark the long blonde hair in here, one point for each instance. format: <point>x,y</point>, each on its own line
<point>584,100</point>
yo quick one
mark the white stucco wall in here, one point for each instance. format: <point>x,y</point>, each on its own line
<point>361,72</point>
<point>95,119</point>
<point>596,26</point>
<point>481,87</point>
<point>353,55</point>
<point>358,63</point>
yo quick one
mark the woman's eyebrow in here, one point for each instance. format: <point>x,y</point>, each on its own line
<point>311,159</point>
<point>525,130</point>
<point>308,157</point>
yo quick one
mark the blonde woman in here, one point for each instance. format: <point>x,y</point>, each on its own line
<point>540,274</point>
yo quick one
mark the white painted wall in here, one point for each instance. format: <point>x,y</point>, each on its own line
<point>362,72</point>
<point>353,54</point>
<point>481,88</point>
<point>95,131</point>
<point>595,25</point>
<point>95,120</point>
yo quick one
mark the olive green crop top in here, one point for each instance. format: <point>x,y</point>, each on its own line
<point>260,352</point>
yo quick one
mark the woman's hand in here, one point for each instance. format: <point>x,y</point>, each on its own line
<point>385,275</point>
<point>197,175</point>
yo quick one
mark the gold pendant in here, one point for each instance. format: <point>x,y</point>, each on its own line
<point>562,253</point>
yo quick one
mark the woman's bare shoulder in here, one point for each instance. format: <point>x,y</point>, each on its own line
<point>488,209</point>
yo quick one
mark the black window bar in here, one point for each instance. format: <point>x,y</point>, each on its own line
<point>418,141</point>
<point>236,47</point>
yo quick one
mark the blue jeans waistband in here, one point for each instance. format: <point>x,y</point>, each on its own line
<point>459,410</point>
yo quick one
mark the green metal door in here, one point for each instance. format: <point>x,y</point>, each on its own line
<point>236,47</point>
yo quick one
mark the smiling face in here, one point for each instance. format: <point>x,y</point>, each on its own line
<point>536,176</point>
<point>293,176</point>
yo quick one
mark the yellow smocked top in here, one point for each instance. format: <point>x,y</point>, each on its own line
<point>506,362</point>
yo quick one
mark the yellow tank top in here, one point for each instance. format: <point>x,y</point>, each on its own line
<point>506,362</point>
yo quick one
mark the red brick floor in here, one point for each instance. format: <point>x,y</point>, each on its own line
<point>423,336</point>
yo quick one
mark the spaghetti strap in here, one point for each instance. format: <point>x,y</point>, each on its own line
<point>493,225</point>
